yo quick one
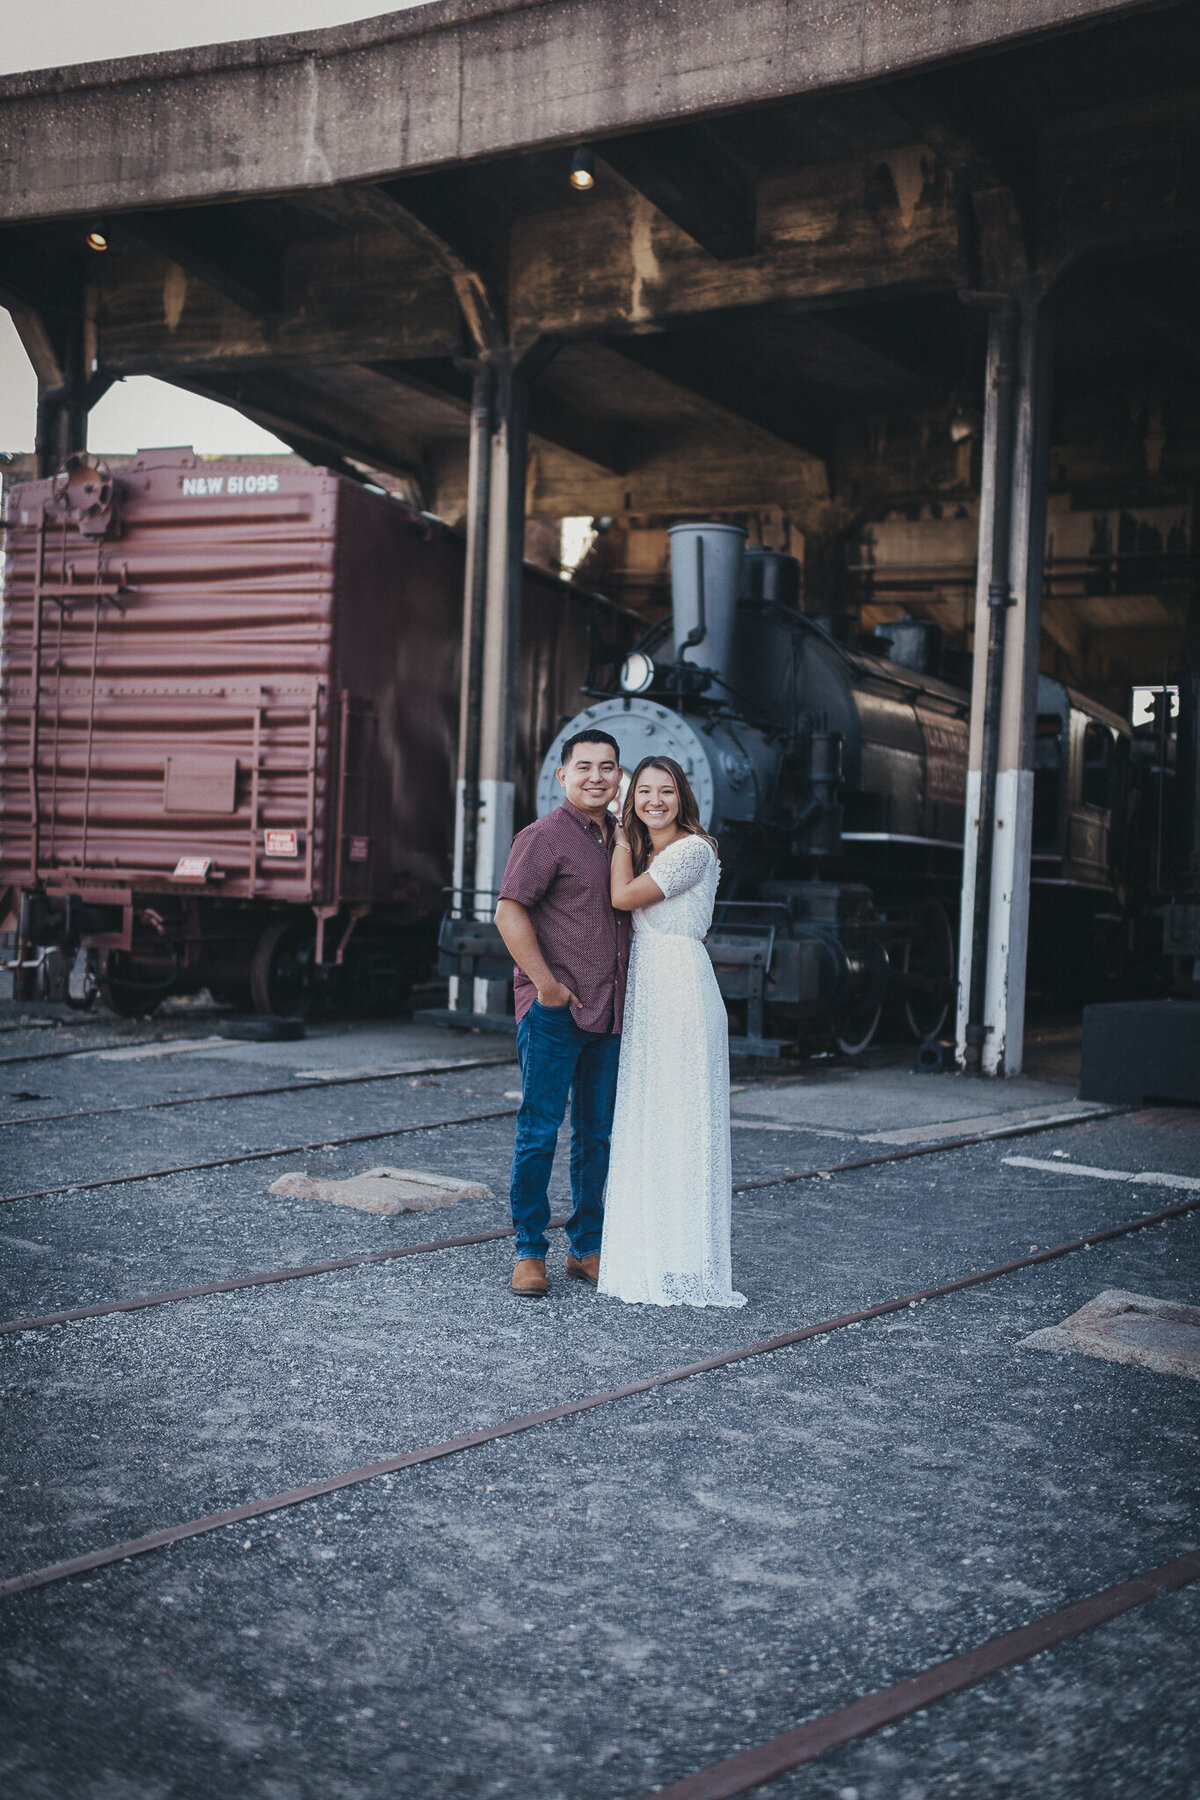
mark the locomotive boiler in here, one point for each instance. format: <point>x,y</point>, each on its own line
<point>228,722</point>
<point>833,779</point>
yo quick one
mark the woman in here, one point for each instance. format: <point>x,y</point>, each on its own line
<point>666,1207</point>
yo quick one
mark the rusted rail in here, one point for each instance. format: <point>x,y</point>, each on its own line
<point>1029,1129</point>
<point>250,1156</point>
<point>84,1050</point>
<point>261,1093</point>
<point>170,1296</point>
<point>767,1762</point>
<point>473,1440</point>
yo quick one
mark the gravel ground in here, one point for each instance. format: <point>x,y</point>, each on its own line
<point>609,1603</point>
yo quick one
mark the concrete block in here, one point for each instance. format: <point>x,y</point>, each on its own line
<point>383,1190</point>
<point>1129,1328</point>
<point>1136,1050</point>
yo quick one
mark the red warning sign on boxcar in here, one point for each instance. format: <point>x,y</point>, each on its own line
<point>359,849</point>
<point>281,843</point>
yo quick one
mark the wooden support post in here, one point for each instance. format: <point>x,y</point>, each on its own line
<point>994,929</point>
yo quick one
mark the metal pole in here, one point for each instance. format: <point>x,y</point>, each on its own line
<point>505,574</point>
<point>474,625</point>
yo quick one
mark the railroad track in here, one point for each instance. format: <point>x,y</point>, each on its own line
<point>763,1763</point>
<point>316,1085</point>
<point>1027,1128</point>
<point>252,1156</point>
<point>473,1440</point>
<point>37,1056</point>
<point>792,1749</point>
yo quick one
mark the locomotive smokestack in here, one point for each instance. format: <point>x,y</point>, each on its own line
<point>706,573</point>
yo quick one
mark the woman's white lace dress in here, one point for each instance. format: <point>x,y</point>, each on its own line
<point>667,1203</point>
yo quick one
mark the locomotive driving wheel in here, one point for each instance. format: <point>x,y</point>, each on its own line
<point>283,970</point>
<point>858,1020</point>
<point>928,962</point>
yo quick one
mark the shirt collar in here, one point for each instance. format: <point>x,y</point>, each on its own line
<point>584,819</point>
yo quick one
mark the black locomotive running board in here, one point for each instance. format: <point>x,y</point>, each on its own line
<point>767,1762</point>
<point>473,1440</point>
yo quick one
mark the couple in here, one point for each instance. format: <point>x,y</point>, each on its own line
<point>645,1061</point>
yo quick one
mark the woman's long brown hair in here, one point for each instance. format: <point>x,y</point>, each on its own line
<point>687,818</point>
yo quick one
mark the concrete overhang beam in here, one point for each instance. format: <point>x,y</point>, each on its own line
<point>456,81</point>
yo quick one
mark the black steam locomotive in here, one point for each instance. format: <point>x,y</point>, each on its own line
<point>834,778</point>
<point>834,781</point>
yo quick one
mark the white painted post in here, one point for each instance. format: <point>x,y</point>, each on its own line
<point>1008,915</point>
<point>983,576</point>
<point>1008,931</point>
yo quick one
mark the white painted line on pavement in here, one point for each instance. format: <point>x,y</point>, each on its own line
<point>1139,1178</point>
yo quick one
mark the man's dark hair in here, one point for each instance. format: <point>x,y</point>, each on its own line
<point>587,737</point>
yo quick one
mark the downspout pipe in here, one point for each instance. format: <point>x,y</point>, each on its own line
<point>482,392</point>
<point>1004,317</point>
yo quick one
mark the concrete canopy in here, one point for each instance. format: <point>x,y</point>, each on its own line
<point>754,311</point>
<point>455,81</point>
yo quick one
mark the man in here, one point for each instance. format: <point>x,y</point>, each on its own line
<point>570,949</point>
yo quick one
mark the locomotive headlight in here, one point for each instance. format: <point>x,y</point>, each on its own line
<point>637,673</point>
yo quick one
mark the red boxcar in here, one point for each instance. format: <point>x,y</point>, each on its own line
<point>229,721</point>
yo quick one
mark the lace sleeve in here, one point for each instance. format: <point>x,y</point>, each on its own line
<point>681,865</point>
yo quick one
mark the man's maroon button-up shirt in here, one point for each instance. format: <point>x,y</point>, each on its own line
<point>558,871</point>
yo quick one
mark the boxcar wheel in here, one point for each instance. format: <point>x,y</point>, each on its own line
<point>282,973</point>
<point>123,992</point>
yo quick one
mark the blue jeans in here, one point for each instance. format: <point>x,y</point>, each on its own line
<point>557,1058</point>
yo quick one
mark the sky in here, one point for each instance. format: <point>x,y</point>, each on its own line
<point>141,414</point>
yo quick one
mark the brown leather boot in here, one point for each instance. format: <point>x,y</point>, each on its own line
<point>584,1268</point>
<point>529,1278</point>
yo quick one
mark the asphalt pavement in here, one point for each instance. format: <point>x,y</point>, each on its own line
<point>606,1604</point>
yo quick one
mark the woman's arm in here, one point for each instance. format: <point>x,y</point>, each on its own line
<point>627,890</point>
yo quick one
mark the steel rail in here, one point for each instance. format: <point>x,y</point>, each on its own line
<point>170,1296</point>
<point>250,1156</point>
<point>137,1302</point>
<point>473,1440</point>
<point>317,1085</point>
<point>84,1050</point>
<point>767,1762</point>
<point>1028,1129</point>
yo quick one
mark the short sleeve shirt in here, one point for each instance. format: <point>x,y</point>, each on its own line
<point>558,869</point>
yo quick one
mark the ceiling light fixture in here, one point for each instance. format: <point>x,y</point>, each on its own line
<point>583,170</point>
<point>96,240</point>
